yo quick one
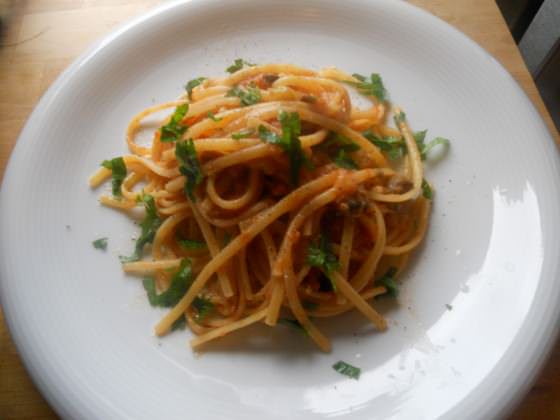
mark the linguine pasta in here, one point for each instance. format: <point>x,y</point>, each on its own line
<point>269,195</point>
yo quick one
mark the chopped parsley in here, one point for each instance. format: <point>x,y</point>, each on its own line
<point>243,134</point>
<point>213,117</point>
<point>344,160</point>
<point>425,148</point>
<point>173,130</point>
<point>339,149</point>
<point>399,118</point>
<point>419,138</point>
<point>294,324</point>
<point>347,369</point>
<point>370,87</point>
<point>427,190</point>
<point>189,166</point>
<point>179,324</point>
<point>100,243</point>
<point>249,96</point>
<point>288,141</point>
<point>180,283</point>
<point>149,226</point>
<point>388,281</point>
<point>393,146</point>
<point>320,254</point>
<point>203,307</point>
<point>191,244</point>
<point>238,64</point>
<point>118,173</point>
<point>191,84</point>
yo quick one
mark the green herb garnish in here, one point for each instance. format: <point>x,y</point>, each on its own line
<point>203,307</point>
<point>180,283</point>
<point>191,244</point>
<point>339,149</point>
<point>343,160</point>
<point>173,130</point>
<point>372,87</point>
<point>179,324</point>
<point>118,173</point>
<point>247,97</point>
<point>213,117</point>
<point>320,254</point>
<point>425,149</point>
<point>191,84</point>
<point>100,243</point>
<point>400,117</point>
<point>393,146</point>
<point>427,190</point>
<point>149,226</point>
<point>294,324</point>
<point>243,134</point>
<point>238,64</point>
<point>388,281</point>
<point>347,369</point>
<point>288,141</point>
<point>189,166</point>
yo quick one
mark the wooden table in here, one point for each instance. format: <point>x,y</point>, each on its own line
<point>43,37</point>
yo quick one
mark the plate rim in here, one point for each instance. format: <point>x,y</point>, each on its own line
<point>503,405</point>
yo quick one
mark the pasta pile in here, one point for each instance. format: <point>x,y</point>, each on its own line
<point>270,197</point>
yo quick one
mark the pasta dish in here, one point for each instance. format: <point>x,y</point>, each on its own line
<point>270,198</point>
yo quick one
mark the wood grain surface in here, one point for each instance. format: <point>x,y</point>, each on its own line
<point>41,38</point>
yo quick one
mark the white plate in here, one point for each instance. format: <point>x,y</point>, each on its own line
<point>85,330</point>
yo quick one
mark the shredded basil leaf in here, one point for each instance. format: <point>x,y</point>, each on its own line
<point>100,243</point>
<point>339,149</point>
<point>213,117</point>
<point>423,148</point>
<point>347,369</point>
<point>343,160</point>
<point>189,166</point>
<point>191,84</point>
<point>388,281</point>
<point>294,324</point>
<point>395,147</point>
<point>427,190</point>
<point>179,324</point>
<point>192,244</point>
<point>173,130</point>
<point>320,254</point>
<point>238,64</point>
<point>419,137</point>
<point>249,96</point>
<point>372,87</point>
<point>433,143</point>
<point>149,226</point>
<point>180,283</point>
<point>289,142</point>
<point>118,173</point>
<point>248,132</point>
<point>203,307</point>
<point>399,118</point>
